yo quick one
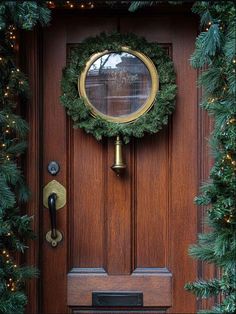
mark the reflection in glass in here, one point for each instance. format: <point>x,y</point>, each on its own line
<point>118,84</point>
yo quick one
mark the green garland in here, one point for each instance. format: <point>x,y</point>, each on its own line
<point>216,48</point>
<point>15,227</point>
<point>152,121</point>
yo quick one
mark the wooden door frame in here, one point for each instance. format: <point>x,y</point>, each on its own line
<point>31,62</point>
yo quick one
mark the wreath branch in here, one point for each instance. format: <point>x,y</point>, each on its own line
<point>151,121</point>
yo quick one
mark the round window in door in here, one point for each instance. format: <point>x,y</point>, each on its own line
<point>119,86</point>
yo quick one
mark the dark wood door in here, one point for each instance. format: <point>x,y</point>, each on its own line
<point>129,233</point>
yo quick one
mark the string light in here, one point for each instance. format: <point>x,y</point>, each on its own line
<point>211,100</point>
<point>11,35</point>
<point>51,4</point>
<point>70,5</point>
<point>232,121</point>
<point>229,218</point>
<point>228,157</point>
<point>11,283</point>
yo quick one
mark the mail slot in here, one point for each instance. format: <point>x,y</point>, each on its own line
<point>117,299</point>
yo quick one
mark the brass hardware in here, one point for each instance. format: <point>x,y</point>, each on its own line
<point>54,187</point>
<point>54,197</point>
<point>53,236</point>
<point>147,105</point>
<point>54,240</point>
<point>119,164</point>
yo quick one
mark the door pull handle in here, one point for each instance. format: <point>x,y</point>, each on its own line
<point>53,236</point>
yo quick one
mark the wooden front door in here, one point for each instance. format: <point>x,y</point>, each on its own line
<point>130,233</point>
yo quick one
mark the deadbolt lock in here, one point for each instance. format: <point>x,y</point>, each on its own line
<point>54,187</point>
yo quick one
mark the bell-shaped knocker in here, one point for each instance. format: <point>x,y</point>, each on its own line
<point>119,164</point>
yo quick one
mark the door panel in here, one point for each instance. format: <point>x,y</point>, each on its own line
<point>128,233</point>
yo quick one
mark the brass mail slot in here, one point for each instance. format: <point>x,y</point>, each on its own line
<point>117,298</point>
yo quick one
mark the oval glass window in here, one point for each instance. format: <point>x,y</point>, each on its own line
<point>119,86</point>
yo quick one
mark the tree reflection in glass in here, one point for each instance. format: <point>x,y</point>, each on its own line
<point>118,84</point>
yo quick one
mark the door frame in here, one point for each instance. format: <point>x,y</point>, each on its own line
<point>31,47</point>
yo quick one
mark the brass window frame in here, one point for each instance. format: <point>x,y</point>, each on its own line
<point>148,103</point>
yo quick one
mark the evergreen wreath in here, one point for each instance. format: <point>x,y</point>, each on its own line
<point>150,122</point>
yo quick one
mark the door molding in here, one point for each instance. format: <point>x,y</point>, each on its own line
<point>81,284</point>
<point>31,62</point>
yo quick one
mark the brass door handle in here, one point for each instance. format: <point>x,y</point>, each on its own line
<point>53,236</point>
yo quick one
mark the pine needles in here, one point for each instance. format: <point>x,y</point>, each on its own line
<point>215,48</point>
<point>15,228</point>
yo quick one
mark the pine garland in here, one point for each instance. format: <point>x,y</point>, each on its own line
<point>215,47</point>
<point>15,228</point>
<point>150,122</point>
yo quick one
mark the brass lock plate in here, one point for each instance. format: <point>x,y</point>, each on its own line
<point>54,187</point>
<point>54,241</point>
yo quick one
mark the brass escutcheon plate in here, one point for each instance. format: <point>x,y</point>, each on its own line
<point>54,187</point>
<point>52,241</point>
